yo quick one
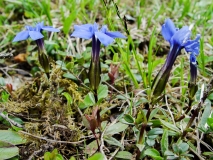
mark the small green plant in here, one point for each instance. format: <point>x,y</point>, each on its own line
<point>4,96</point>
<point>54,155</point>
<point>180,151</point>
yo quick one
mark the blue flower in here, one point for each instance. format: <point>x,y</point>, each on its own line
<point>88,31</point>
<point>34,32</point>
<point>178,39</point>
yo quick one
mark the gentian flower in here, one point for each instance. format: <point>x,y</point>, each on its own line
<point>178,39</point>
<point>35,34</point>
<point>88,31</point>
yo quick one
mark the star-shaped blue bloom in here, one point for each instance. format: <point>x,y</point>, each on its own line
<point>34,32</point>
<point>180,37</point>
<point>87,31</point>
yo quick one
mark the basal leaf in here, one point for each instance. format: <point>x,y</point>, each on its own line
<point>97,156</point>
<point>11,137</point>
<point>164,141</point>
<point>124,155</point>
<point>102,91</point>
<point>153,153</point>
<point>205,115</point>
<point>8,150</point>
<point>115,128</point>
<point>89,100</point>
<point>170,126</point>
<point>112,141</point>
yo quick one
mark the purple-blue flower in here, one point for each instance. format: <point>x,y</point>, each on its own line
<point>34,32</point>
<point>91,31</point>
<point>178,39</point>
<point>87,31</point>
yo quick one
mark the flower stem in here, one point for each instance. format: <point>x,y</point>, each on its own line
<point>195,114</point>
<point>142,131</point>
<point>96,141</point>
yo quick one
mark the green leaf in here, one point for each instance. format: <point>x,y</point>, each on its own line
<point>47,156</point>
<point>153,113</point>
<point>150,142</point>
<point>70,76</point>
<point>183,147</point>
<point>208,59</point>
<point>68,97</point>
<point>112,141</point>
<point>128,118</point>
<point>209,121</point>
<point>140,147</point>
<point>153,153</point>
<point>2,81</point>
<point>170,155</point>
<point>11,137</point>
<point>169,125</point>
<point>68,21</point>
<point>141,117</point>
<point>205,115</point>
<point>4,96</point>
<point>46,9</point>
<point>175,148</point>
<point>72,158</point>
<point>130,74</point>
<point>91,148</point>
<point>8,150</point>
<point>16,128</point>
<point>89,100</point>
<point>102,92</point>
<point>208,153</point>
<point>210,97</point>
<point>115,128</point>
<point>97,156</point>
<point>124,155</point>
<point>155,131</point>
<point>164,141</point>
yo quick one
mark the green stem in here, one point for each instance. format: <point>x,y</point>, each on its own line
<point>195,114</point>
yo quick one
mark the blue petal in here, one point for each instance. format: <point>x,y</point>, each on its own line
<point>115,34</point>
<point>95,27</point>
<point>181,36</point>
<point>39,26</point>
<point>168,29</point>
<point>30,28</point>
<point>21,36</point>
<point>86,27</point>
<point>35,35</point>
<point>82,34</point>
<point>193,46</point>
<point>103,38</point>
<point>50,29</point>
